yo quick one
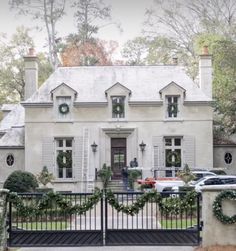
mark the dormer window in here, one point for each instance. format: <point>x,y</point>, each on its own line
<point>63,108</point>
<point>118,106</point>
<point>172,106</point>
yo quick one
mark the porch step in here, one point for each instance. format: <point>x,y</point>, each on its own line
<point>116,186</point>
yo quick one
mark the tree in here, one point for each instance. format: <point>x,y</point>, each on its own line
<point>21,182</point>
<point>12,52</point>
<point>48,11</point>
<point>184,21</point>
<point>148,51</point>
<point>88,14</point>
<point>95,52</point>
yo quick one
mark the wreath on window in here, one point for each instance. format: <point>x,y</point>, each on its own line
<point>64,160</point>
<point>217,206</point>
<point>118,108</point>
<point>64,108</point>
<point>176,157</point>
<point>173,108</point>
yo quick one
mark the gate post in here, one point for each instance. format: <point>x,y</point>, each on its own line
<point>3,218</point>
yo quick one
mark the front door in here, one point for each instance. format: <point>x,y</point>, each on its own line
<point>118,156</point>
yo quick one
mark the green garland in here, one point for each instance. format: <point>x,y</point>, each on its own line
<point>168,206</point>
<point>217,206</point>
<point>48,200</point>
<point>60,160</point>
<point>118,108</point>
<point>134,208</point>
<point>63,108</point>
<point>169,158</point>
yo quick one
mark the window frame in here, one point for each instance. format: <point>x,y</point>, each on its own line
<point>121,99</point>
<point>64,148</point>
<point>173,147</point>
<point>172,100</point>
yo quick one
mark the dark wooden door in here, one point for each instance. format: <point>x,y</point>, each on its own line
<point>118,156</point>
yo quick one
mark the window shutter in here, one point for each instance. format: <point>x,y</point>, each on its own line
<point>48,154</point>
<point>77,157</point>
<point>158,153</point>
<point>189,151</point>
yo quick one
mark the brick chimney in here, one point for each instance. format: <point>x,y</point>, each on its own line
<point>205,72</point>
<point>31,73</point>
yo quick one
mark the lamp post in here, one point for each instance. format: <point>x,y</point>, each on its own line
<point>94,147</point>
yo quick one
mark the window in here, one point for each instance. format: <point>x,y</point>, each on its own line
<point>118,107</point>
<point>173,160</point>
<point>63,108</point>
<point>64,158</point>
<point>228,158</point>
<point>172,106</point>
<point>10,160</point>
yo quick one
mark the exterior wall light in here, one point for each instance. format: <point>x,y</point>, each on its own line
<point>142,146</point>
<point>94,147</point>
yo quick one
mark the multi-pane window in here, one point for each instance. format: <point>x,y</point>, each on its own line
<point>172,106</point>
<point>63,108</point>
<point>173,159</point>
<point>64,158</point>
<point>118,107</point>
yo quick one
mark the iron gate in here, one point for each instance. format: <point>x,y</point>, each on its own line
<point>104,225</point>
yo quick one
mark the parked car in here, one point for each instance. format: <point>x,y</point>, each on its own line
<point>201,174</point>
<point>218,171</point>
<point>211,180</point>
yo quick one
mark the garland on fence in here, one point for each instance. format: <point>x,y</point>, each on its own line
<point>50,199</point>
<point>217,207</point>
<point>184,203</point>
<point>134,208</point>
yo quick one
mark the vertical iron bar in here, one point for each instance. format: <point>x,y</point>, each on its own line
<point>198,217</point>
<point>10,222</point>
<point>104,231</point>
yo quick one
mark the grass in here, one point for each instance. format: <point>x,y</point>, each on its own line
<point>42,225</point>
<point>178,224</point>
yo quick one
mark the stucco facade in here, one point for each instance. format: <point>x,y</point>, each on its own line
<point>160,106</point>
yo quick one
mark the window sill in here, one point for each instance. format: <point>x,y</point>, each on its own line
<point>173,120</point>
<point>64,181</point>
<point>118,120</point>
<point>63,121</point>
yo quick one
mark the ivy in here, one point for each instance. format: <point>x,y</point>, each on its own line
<point>217,207</point>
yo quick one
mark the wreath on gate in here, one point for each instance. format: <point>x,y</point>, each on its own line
<point>173,108</point>
<point>118,108</point>
<point>176,156</point>
<point>217,207</point>
<point>64,160</point>
<point>64,108</point>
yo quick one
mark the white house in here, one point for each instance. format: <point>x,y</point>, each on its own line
<point>83,117</point>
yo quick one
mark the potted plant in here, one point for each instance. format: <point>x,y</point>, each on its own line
<point>44,178</point>
<point>186,176</point>
<point>105,175</point>
<point>133,175</point>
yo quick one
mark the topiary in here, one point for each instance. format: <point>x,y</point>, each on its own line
<point>105,174</point>
<point>21,182</point>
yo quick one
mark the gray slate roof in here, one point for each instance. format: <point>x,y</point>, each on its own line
<point>145,82</point>
<point>13,137</point>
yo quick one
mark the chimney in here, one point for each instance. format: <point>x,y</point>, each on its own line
<point>205,72</point>
<point>31,73</point>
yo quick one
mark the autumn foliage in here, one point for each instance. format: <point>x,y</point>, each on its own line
<point>95,52</point>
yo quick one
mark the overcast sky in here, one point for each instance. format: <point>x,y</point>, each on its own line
<point>130,14</point>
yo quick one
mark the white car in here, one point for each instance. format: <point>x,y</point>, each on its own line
<point>210,180</point>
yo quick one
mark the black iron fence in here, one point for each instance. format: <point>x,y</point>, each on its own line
<point>119,219</point>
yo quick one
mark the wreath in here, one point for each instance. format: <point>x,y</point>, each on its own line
<point>64,160</point>
<point>217,206</point>
<point>177,158</point>
<point>118,108</point>
<point>64,108</point>
<point>173,108</point>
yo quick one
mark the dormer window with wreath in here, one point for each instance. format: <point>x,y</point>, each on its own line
<point>118,107</point>
<point>172,106</point>
<point>63,107</point>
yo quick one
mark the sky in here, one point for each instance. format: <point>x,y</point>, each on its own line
<point>129,13</point>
